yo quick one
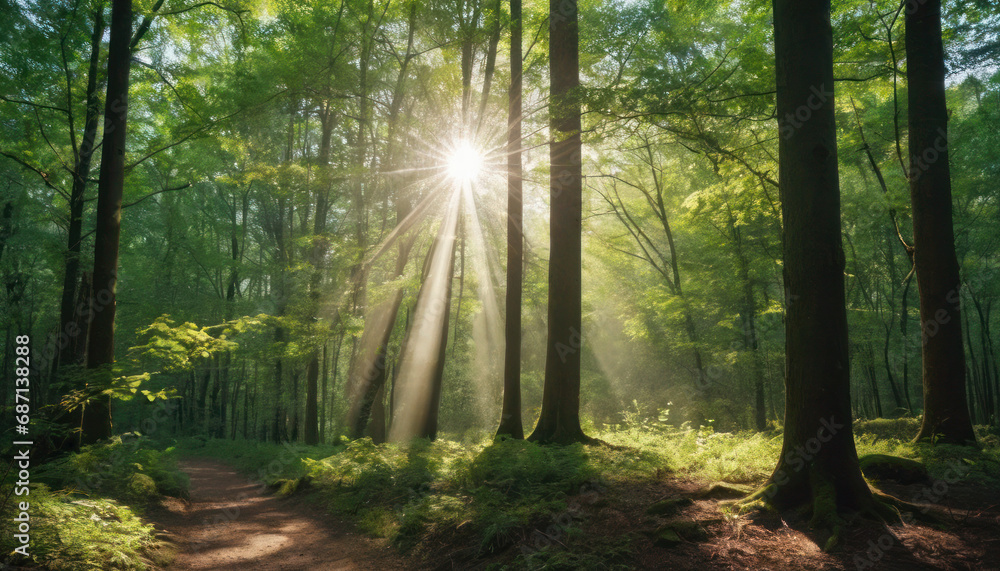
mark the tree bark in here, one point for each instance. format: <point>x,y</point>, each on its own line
<point>818,465</point>
<point>101,345</point>
<point>71,322</point>
<point>510,415</point>
<point>559,421</point>
<point>946,412</point>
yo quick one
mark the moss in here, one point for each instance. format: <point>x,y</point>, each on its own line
<point>678,531</point>
<point>142,487</point>
<point>884,467</point>
<point>722,491</point>
<point>669,506</point>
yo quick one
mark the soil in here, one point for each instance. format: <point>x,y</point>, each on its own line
<point>965,537</point>
<point>230,524</point>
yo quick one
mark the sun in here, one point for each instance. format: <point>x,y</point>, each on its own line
<point>464,163</point>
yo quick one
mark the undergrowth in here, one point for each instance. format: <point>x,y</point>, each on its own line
<point>82,508</point>
<point>135,472</point>
<point>486,497</point>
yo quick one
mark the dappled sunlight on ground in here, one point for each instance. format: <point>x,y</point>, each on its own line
<point>229,524</point>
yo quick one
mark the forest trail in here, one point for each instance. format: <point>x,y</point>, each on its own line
<point>231,523</point>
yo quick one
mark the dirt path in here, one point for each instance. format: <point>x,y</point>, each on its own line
<point>229,524</point>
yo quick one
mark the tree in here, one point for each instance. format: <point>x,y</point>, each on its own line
<point>946,413</point>
<point>421,361</point>
<point>818,465</point>
<point>368,369</point>
<point>68,320</point>
<point>101,342</point>
<point>559,421</point>
<point>510,415</point>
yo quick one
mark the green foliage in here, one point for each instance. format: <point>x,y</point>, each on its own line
<point>69,533</point>
<point>266,462</point>
<point>887,428</point>
<point>133,472</point>
<point>523,469</point>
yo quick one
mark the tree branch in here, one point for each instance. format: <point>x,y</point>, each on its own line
<point>161,191</point>
<point>39,172</point>
<point>36,105</point>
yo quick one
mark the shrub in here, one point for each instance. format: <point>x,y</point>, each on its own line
<point>70,533</point>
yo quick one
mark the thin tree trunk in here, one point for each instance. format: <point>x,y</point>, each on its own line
<point>510,415</point>
<point>748,316</point>
<point>491,59</point>
<point>323,394</point>
<point>317,255</point>
<point>461,281</point>
<point>71,322</point>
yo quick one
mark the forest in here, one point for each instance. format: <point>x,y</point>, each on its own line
<point>477,284</point>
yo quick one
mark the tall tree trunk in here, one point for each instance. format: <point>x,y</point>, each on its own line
<point>491,60</point>
<point>282,241</point>
<point>946,413</point>
<point>510,415</point>
<point>461,281</point>
<point>559,421</point>
<point>748,316</point>
<point>367,372</point>
<point>71,322</point>
<point>324,384</point>
<point>904,319</point>
<point>818,465</point>
<point>361,153</point>
<point>869,368</point>
<point>101,347</point>
<point>317,257</point>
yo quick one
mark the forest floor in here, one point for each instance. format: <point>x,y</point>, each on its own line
<point>230,523</point>
<point>700,536</point>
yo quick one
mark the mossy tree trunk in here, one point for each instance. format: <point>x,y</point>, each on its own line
<point>818,466</point>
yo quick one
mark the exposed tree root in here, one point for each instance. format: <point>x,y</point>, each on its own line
<point>829,507</point>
